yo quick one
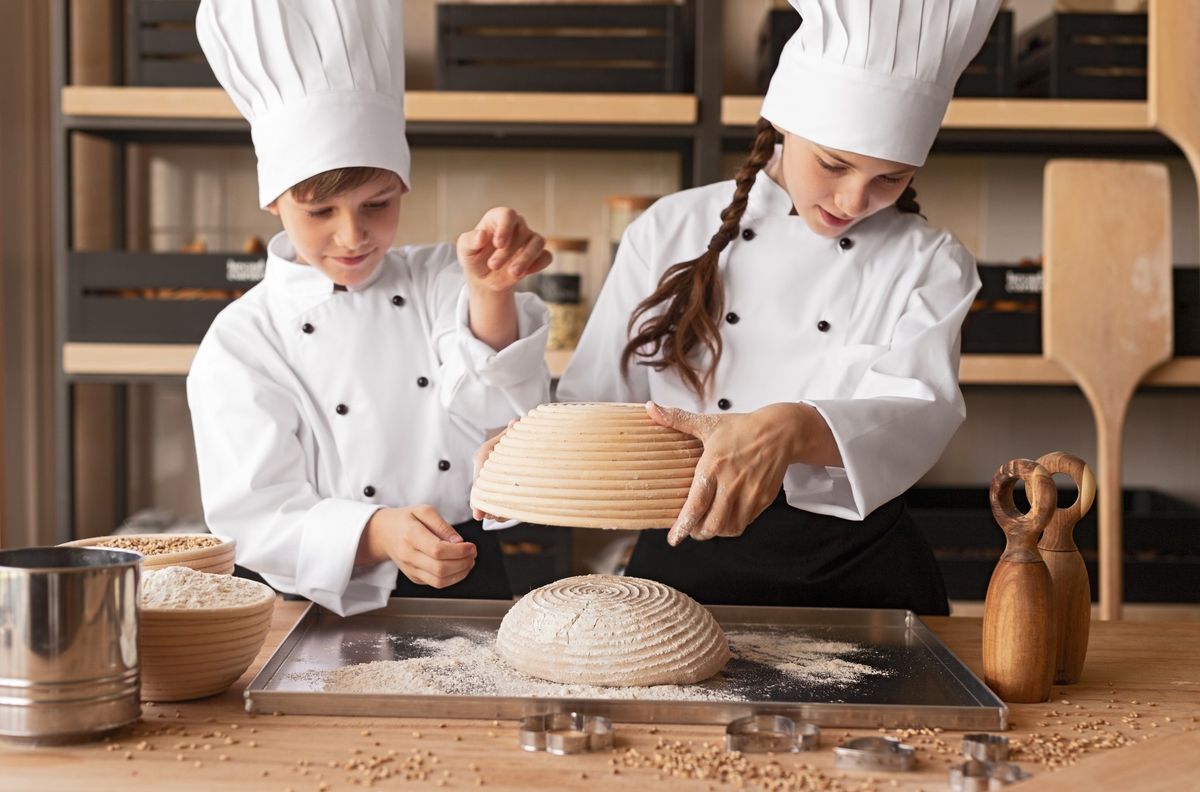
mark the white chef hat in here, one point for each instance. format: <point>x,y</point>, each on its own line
<point>320,81</point>
<point>874,77</point>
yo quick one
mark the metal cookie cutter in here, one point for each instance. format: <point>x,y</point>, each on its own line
<point>974,775</point>
<point>562,733</point>
<point>771,734</point>
<point>985,747</point>
<point>874,753</point>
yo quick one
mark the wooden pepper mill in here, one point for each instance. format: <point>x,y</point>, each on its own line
<point>1018,613</point>
<point>1072,594</point>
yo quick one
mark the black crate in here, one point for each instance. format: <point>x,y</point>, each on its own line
<point>535,555</point>
<point>991,72</point>
<point>167,298</point>
<point>1160,541</point>
<point>564,47</point>
<point>161,47</point>
<point>1006,317</point>
<point>779,26</point>
<point>1084,56</point>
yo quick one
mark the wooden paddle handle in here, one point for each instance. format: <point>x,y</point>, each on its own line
<point>1059,533</point>
<point>1023,530</point>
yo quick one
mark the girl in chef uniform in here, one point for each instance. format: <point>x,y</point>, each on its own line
<point>812,341</point>
<point>337,404</point>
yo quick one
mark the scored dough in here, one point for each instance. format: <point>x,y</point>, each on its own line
<point>588,465</point>
<point>612,631</point>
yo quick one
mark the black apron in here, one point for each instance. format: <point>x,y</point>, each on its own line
<point>486,580</point>
<point>792,557</point>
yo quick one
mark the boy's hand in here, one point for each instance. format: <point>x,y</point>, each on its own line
<point>426,548</point>
<point>501,250</point>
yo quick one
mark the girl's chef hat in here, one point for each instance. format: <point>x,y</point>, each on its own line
<point>320,81</point>
<point>874,77</point>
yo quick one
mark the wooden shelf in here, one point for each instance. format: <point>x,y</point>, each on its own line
<point>1024,114</point>
<point>420,106</point>
<point>168,360</point>
<point>174,360</point>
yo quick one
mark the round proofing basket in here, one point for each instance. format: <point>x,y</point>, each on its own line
<point>217,559</point>
<point>189,653</point>
<point>588,465</point>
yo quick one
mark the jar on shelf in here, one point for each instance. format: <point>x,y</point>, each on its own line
<point>561,288</point>
<point>623,210</point>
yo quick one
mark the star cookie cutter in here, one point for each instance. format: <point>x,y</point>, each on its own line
<point>974,775</point>
<point>885,754</point>
<point>985,747</point>
<point>562,733</point>
<point>771,734</point>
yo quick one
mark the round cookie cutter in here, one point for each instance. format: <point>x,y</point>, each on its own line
<point>562,733</point>
<point>974,775</point>
<point>885,754</point>
<point>985,747</point>
<point>771,734</point>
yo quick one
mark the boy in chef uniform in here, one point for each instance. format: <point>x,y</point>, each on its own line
<point>812,342</point>
<point>336,405</point>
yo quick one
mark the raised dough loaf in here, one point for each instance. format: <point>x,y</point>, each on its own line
<point>613,631</point>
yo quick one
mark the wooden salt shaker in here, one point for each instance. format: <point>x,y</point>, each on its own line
<point>1018,613</point>
<point>1072,594</point>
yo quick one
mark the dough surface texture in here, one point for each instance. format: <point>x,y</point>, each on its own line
<point>613,631</point>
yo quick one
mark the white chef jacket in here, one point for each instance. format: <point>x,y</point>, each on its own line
<point>312,408</point>
<point>865,328</point>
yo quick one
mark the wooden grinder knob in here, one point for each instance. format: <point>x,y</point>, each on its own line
<point>1018,615</point>
<point>1072,594</point>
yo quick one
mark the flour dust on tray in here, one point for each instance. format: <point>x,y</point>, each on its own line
<point>765,662</point>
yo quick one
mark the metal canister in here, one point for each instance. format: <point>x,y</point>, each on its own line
<point>68,642</point>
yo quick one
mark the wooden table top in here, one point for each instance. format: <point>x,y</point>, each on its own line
<point>1141,684</point>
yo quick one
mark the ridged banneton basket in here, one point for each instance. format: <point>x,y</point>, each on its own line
<point>189,653</point>
<point>588,465</point>
<point>216,559</point>
<point>612,631</point>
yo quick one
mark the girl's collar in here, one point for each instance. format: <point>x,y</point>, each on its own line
<point>768,197</point>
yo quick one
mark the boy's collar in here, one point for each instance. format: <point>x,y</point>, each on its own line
<point>302,279</point>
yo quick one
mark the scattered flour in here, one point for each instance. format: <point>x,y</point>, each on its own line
<point>180,587</point>
<point>467,665</point>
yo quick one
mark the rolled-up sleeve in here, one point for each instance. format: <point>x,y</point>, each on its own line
<point>479,385</point>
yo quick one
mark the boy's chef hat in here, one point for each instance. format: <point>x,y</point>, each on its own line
<point>320,81</point>
<point>874,77</point>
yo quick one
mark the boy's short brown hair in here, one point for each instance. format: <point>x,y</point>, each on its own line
<point>326,185</point>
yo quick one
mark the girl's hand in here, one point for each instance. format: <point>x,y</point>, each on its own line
<point>738,475</point>
<point>424,546</point>
<point>500,251</point>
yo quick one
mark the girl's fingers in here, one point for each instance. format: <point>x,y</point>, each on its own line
<point>699,500</point>
<point>717,518</point>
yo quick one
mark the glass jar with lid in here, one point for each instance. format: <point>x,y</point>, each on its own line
<point>623,210</point>
<point>561,288</point>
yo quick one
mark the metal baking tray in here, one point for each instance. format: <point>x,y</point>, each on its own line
<point>916,681</point>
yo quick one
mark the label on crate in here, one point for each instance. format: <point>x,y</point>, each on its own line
<point>245,271</point>
<point>1023,281</point>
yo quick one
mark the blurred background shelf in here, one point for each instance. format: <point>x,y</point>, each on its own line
<point>82,104</point>
<point>1010,114</point>
<point>117,361</point>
